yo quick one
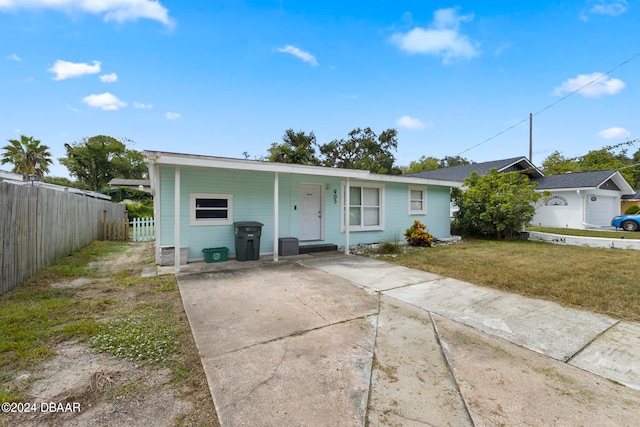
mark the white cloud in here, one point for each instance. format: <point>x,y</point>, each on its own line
<point>610,8</point>
<point>410,123</point>
<point>64,69</point>
<point>443,38</point>
<point>109,78</point>
<point>112,10</point>
<point>305,56</point>
<point>172,116</point>
<point>596,86</point>
<point>104,101</point>
<point>142,106</point>
<point>13,56</point>
<point>614,133</point>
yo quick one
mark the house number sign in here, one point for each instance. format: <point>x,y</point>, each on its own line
<point>335,196</point>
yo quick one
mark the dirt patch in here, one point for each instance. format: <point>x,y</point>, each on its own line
<point>81,387</point>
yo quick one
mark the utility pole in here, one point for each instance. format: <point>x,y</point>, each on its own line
<point>531,138</point>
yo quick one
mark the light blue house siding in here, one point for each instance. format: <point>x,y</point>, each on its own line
<point>253,198</point>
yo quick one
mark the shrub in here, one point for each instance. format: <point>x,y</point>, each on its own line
<point>417,235</point>
<point>633,209</point>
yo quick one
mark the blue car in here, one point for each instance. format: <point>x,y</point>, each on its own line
<point>627,222</point>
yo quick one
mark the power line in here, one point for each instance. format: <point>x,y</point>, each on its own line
<point>552,104</point>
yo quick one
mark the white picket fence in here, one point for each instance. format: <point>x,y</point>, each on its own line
<point>143,229</point>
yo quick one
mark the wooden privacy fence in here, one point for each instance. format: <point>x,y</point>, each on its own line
<point>39,225</point>
<point>143,229</point>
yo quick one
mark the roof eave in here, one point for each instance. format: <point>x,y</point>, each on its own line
<point>178,159</point>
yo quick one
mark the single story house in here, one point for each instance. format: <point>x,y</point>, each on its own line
<point>581,199</point>
<point>198,199</point>
<point>9,176</point>
<point>134,184</point>
<point>629,200</point>
<point>578,200</point>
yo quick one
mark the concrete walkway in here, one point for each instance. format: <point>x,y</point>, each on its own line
<point>336,340</point>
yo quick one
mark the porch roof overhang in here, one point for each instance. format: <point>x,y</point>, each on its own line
<point>193,160</point>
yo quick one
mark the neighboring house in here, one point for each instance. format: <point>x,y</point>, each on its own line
<point>460,173</point>
<point>9,176</point>
<point>629,200</point>
<point>581,199</point>
<point>578,200</point>
<point>198,199</point>
<point>134,184</point>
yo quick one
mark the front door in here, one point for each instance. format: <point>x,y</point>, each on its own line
<point>310,212</point>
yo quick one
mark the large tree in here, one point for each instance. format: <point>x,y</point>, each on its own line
<point>606,158</point>
<point>363,150</point>
<point>296,147</point>
<point>495,205</point>
<point>95,161</point>
<point>28,156</point>
<point>430,163</point>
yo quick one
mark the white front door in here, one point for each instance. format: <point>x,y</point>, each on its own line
<point>310,212</point>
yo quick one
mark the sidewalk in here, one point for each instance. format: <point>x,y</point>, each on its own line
<point>335,340</point>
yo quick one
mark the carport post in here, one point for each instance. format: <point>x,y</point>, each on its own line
<point>275,216</point>
<point>347,197</point>
<point>176,233</point>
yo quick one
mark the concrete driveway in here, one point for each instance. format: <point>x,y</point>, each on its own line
<point>336,340</point>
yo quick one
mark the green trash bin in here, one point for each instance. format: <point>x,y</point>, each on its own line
<point>215,254</point>
<point>247,240</point>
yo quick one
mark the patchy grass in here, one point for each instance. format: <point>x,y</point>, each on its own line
<point>143,334</point>
<point>115,312</point>
<point>599,280</point>
<point>587,233</point>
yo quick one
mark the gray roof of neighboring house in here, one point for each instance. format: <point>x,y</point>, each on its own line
<point>573,180</point>
<point>462,172</point>
<point>632,196</point>
<point>129,182</point>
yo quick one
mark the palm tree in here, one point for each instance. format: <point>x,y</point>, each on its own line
<point>29,157</point>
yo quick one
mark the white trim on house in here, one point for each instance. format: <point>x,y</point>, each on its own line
<point>193,220</point>
<point>422,200</point>
<point>177,159</point>
<point>346,205</point>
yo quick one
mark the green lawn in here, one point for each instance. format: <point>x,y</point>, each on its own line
<point>605,281</point>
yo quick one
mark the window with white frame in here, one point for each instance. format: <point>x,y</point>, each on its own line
<point>211,209</point>
<point>417,200</point>
<point>366,207</point>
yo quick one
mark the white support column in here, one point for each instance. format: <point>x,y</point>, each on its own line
<point>176,233</point>
<point>347,197</point>
<point>275,215</point>
<point>156,208</point>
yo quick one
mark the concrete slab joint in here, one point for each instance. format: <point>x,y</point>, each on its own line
<point>344,340</point>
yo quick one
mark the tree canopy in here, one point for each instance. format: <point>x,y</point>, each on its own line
<point>495,205</point>
<point>296,147</point>
<point>363,149</point>
<point>607,158</point>
<point>97,160</point>
<point>425,163</point>
<point>28,156</point>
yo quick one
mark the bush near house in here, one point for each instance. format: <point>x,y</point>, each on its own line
<point>633,209</point>
<point>495,205</point>
<point>417,235</point>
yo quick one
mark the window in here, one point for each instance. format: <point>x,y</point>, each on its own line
<point>211,209</point>
<point>366,207</point>
<point>417,200</point>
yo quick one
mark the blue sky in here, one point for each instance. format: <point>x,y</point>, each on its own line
<point>226,77</point>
